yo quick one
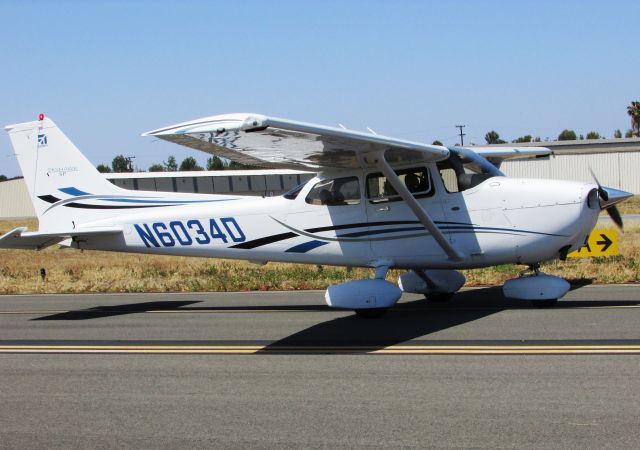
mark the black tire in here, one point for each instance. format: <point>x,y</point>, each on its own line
<point>371,313</point>
<point>544,303</point>
<point>439,298</point>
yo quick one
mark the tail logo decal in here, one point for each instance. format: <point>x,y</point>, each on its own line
<point>61,171</point>
<point>42,140</point>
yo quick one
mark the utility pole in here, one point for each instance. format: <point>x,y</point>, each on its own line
<point>462,135</point>
<point>130,162</point>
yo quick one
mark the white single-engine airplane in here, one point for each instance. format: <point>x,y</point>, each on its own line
<point>376,202</point>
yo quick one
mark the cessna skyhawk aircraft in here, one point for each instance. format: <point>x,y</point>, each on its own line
<point>376,202</point>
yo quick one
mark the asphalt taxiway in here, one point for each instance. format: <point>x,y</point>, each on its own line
<point>280,369</point>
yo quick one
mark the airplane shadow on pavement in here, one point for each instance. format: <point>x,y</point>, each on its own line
<point>99,312</point>
<point>419,318</point>
<point>407,321</point>
<point>116,310</point>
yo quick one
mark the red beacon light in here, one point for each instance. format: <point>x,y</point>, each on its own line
<point>41,117</point>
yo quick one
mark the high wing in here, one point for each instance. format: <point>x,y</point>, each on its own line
<point>496,155</point>
<point>20,238</point>
<point>263,141</point>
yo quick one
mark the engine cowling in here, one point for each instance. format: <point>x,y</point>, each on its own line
<point>363,294</point>
<point>539,287</point>
<point>443,282</point>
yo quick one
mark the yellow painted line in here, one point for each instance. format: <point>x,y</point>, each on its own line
<point>399,349</point>
<point>169,311</point>
<point>354,347</point>
<point>160,311</point>
<point>607,307</point>
<point>327,351</point>
<point>108,313</point>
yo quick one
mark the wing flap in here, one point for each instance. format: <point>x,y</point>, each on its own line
<point>271,142</point>
<point>21,239</point>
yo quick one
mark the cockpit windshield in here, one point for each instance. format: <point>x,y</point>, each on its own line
<point>465,169</point>
<point>292,194</point>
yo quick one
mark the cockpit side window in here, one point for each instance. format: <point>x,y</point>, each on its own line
<point>335,192</point>
<point>417,180</point>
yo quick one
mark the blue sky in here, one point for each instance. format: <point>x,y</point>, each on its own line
<point>107,71</point>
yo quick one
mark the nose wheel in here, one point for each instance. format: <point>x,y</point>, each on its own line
<point>542,290</point>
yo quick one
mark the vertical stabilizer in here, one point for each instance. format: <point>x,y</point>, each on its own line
<point>54,169</point>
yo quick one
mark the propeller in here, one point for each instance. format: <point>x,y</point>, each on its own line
<point>611,209</point>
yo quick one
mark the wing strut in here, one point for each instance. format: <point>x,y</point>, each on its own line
<point>418,210</point>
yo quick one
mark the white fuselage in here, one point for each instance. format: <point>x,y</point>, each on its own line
<point>501,220</point>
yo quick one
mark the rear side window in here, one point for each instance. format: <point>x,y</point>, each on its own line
<point>417,180</point>
<point>335,192</point>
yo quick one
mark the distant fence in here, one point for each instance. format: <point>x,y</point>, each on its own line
<point>14,200</point>
<point>262,183</point>
<point>617,169</point>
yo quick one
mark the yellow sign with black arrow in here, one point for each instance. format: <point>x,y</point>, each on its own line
<point>600,243</point>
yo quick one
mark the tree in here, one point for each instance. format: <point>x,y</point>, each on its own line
<point>170,164</point>
<point>526,138</point>
<point>103,168</point>
<point>189,164</point>
<point>3,178</point>
<point>156,168</point>
<point>567,135</point>
<point>121,164</point>
<point>634,112</point>
<point>436,142</point>
<point>537,139</point>
<point>581,138</point>
<point>628,134</point>
<point>234,165</point>
<point>593,135</point>
<point>215,163</point>
<point>617,134</point>
<point>492,137</point>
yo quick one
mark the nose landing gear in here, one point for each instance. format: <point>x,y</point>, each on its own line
<point>541,289</point>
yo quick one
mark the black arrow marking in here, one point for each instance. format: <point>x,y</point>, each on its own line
<point>606,242</point>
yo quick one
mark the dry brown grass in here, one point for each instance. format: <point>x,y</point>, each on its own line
<point>631,206</point>
<point>72,271</point>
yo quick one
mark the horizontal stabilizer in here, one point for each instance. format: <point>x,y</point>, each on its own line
<point>20,238</point>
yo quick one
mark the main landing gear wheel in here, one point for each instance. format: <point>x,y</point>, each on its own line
<point>371,313</point>
<point>439,298</point>
<point>544,303</point>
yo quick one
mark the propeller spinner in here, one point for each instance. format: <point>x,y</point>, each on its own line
<point>609,197</point>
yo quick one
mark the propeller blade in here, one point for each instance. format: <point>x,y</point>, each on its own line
<point>615,216</point>
<point>615,195</point>
<point>603,194</point>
